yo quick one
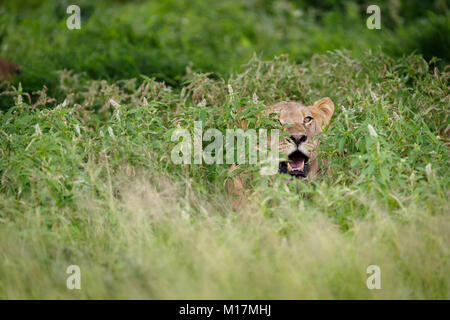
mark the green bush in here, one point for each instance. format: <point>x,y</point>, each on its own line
<point>90,182</point>
<point>86,176</point>
<point>123,39</point>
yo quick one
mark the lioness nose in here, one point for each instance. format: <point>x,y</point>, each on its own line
<point>298,138</point>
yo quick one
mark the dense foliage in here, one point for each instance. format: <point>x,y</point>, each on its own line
<point>123,39</point>
<point>86,176</point>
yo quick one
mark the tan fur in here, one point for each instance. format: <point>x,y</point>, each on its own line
<point>292,115</point>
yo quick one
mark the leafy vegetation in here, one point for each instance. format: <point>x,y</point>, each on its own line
<point>124,39</point>
<point>86,176</point>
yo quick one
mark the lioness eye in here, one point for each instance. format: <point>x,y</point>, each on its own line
<point>307,120</point>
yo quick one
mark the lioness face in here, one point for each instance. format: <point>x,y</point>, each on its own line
<point>301,123</point>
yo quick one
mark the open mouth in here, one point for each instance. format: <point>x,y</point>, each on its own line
<point>296,166</point>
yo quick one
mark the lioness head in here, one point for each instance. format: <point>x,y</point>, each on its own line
<point>301,123</point>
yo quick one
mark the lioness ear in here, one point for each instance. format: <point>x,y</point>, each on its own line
<point>322,110</point>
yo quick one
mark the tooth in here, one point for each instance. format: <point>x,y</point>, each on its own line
<point>302,166</point>
<point>289,167</point>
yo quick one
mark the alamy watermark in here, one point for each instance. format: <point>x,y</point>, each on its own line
<point>261,149</point>
<point>74,20</point>
<point>374,280</point>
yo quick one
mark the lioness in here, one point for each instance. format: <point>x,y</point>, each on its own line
<point>300,149</point>
<point>302,123</point>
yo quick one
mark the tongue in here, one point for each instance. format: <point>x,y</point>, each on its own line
<point>297,164</point>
